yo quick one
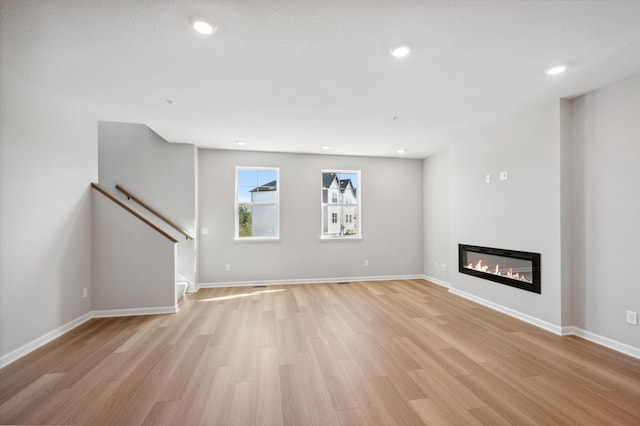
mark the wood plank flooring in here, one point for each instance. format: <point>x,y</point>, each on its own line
<point>379,353</point>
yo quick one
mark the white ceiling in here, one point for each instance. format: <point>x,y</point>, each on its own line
<point>293,75</point>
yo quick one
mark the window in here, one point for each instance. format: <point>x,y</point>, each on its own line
<point>340,204</point>
<point>257,203</point>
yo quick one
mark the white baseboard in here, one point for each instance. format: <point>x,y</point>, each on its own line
<point>307,281</point>
<point>43,340</point>
<point>107,313</point>
<point>511,312</point>
<point>436,281</point>
<point>563,331</point>
<point>601,340</point>
<point>54,334</point>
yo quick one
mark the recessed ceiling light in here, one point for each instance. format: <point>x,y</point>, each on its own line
<point>402,151</point>
<point>241,142</point>
<point>558,69</point>
<point>400,51</point>
<point>203,26</point>
<point>326,147</point>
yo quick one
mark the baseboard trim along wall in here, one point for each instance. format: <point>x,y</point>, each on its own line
<point>435,281</point>
<point>511,312</point>
<point>43,340</point>
<point>135,312</point>
<point>308,281</point>
<point>601,340</point>
<point>18,353</point>
<point>563,331</point>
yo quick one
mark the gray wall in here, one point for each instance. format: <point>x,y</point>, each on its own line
<point>521,213</point>
<point>391,220</point>
<point>161,174</point>
<point>567,214</point>
<point>572,195</point>
<point>436,217</point>
<point>48,157</point>
<point>134,266</point>
<point>606,220</point>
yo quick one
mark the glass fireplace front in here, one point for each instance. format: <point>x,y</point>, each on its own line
<point>514,268</point>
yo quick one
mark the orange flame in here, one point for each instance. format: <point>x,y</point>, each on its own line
<point>509,274</point>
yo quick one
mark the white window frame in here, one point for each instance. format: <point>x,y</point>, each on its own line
<point>237,203</point>
<point>355,218</point>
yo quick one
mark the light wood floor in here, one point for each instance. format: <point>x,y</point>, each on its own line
<point>392,352</point>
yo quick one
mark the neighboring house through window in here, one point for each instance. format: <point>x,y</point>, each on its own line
<point>257,203</point>
<point>340,204</point>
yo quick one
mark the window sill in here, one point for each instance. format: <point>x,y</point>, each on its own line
<point>358,238</point>
<point>256,239</point>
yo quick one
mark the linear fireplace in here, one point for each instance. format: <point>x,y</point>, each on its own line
<point>514,268</point>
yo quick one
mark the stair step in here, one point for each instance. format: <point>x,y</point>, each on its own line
<point>181,289</point>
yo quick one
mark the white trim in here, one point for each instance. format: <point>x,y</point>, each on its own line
<point>563,331</point>
<point>43,340</point>
<point>107,313</point>
<point>511,312</point>
<point>308,281</point>
<point>18,353</point>
<point>340,238</point>
<point>255,239</point>
<point>569,330</point>
<point>436,281</point>
<point>601,340</point>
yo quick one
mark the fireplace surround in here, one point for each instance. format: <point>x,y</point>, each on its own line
<point>510,267</point>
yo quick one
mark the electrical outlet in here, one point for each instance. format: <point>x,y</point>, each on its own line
<point>85,293</point>
<point>444,267</point>
<point>204,231</point>
<point>503,175</point>
<point>487,179</point>
<point>227,268</point>
<point>366,263</point>
<point>632,317</point>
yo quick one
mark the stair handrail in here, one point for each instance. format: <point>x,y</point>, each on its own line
<point>119,202</point>
<point>130,196</point>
